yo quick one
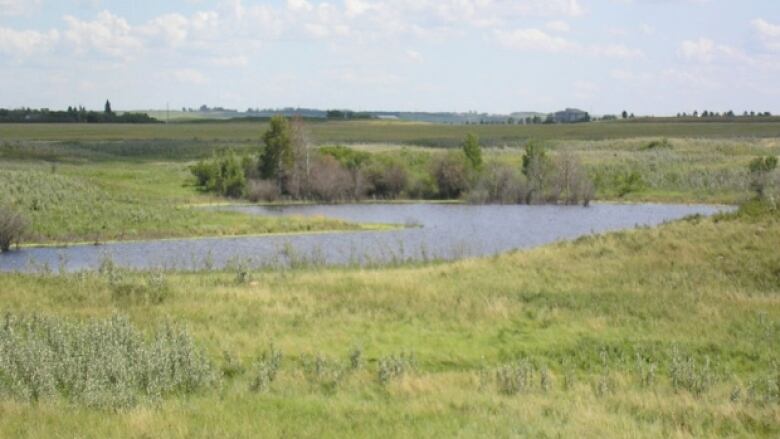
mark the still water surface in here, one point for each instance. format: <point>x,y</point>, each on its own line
<point>435,231</point>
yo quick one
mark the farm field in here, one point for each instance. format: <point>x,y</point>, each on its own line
<point>390,132</point>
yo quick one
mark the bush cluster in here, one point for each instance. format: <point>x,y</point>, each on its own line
<point>13,226</point>
<point>288,167</point>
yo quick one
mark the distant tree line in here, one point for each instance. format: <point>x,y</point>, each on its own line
<point>77,114</point>
<point>348,115</point>
<point>726,114</point>
<point>288,167</point>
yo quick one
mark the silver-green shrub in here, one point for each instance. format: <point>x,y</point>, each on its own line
<point>395,366</point>
<point>100,363</point>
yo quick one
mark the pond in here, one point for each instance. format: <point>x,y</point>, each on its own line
<point>430,232</point>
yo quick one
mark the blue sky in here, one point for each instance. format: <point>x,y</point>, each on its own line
<point>646,56</point>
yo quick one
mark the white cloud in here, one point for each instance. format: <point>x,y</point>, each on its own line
<point>299,6</point>
<point>354,8</point>
<point>230,61</point>
<point>27,42</point>
<point>19,7</point>
<point>537,40</point>
<point>189,76</point>
<point>557,26</point>
<point>172,29</point>
<point>630,76</point>
<point>107,34</point>
<point>532,40</point>
<point>702,50</point>
<point>615,51</point>
<point>414,56</point>
<point>768,32</point>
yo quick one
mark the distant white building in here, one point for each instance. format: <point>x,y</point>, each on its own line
<point>570,115</point>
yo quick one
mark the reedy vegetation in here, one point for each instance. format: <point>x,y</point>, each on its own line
<point>106,202</point>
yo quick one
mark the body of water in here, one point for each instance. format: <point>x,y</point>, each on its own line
<point>432,231</point>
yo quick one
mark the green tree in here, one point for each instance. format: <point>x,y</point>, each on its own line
<point>473,151</point>
<point>232,181</point>
<point>536,168</point>
<point>278,155</point>
<point>533,152</point>
<point>108,107</point>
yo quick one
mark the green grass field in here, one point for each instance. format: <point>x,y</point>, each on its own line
<point>668,332</point>
<point>388,132</point>
<point>656,332</point>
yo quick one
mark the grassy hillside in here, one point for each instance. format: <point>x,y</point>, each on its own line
<point>667,332</point>
<point>388,132</point>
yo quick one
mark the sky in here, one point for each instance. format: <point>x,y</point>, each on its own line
<point>646,56</point>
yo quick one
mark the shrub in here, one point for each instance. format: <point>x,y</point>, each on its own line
<point>101,363</point>
<point>689,374</point>
<point>387,180</point>
<point>571,183</point>
<point>323,372</point>
<point>356,358</point>
<point>204,171</point>
<point>628,182</point>
<point>658,144</point>
<point>231,365</point>
<point>514,378</point>
<point>348,157</point>
<point>13,226</point>
<point>223,174</point>
<point>499,183</point>
<point>451,175</point>
<point>264,369</point>
<point>761,169</point>
<point>262,190</point>
<point>329,181</point>
<point>394,366</point>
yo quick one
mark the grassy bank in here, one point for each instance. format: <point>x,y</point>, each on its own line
<point>668,332</point>
<point>124,201</point>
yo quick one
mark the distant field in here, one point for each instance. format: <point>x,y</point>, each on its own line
<point>388,132</point>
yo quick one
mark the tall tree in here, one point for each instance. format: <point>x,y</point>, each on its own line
<point>473,151</point>
<point>536,166</point>
<point>108,107</point>
<point>297,175</point>
<point>278,154</point>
